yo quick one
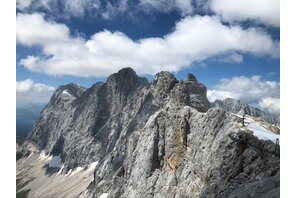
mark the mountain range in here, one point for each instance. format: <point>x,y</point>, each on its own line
<point>239,107</point>
<point>128,137</point>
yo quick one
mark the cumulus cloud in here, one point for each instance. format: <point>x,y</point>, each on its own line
<point>253,91</point>
<point>33,30</point>
<point>193,40</point>
<point>28,92</point>
<point>261,11</point>
<point>270,104</point>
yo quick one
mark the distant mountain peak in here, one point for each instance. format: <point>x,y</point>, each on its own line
<point>239,107</point>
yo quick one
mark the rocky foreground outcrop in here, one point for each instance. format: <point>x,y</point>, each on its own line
<point>158,139</point>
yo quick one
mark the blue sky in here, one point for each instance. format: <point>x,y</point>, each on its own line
<point>233,50</point>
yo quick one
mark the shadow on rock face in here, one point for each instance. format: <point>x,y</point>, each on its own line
<point>50,170</point>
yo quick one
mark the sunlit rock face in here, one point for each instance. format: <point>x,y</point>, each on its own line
<point>158,139</point>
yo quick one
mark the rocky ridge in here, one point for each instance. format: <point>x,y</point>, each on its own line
<point>239,107</point>
<point>159,139</point>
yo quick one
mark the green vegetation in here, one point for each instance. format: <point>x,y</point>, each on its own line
<point>23,193</point>
<point>20,184</point>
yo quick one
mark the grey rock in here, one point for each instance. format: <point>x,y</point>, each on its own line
<point>158,139</point>
<point>161,87</point>
<point>268,187</point>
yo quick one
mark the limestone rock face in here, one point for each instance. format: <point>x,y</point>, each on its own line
<point>182,152</point>
<point>158,139</point>
<point>161,87</point>
<point>197,94</point>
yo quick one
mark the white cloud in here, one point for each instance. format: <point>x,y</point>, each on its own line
<point>254,91</point>
<point>28,92</point>
<point>270,104</point>
<point>33,30</point>
<point>261,11</point>
<point>213,95</point>
<point>194,39</point>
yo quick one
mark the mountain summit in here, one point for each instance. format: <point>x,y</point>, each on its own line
<point>158,139</point>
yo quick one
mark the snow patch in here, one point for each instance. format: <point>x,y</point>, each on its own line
<point>91,167</point>
<point>55,162</point>
<point>65,92</point>
<point>68,173</point>
<point>60,171</point>
<point>240,116</point>
<point>260,131</point>
<point>152,118</point>
<point>42,155</point>
<point>104,195</point>
<point>78,169</point>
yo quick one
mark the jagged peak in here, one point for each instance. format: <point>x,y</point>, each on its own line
<point>164,75</point>
<point>123,73</point>
<point>191,77</point>
<point>140,135</point>
<point>123,76</point>
<point>71,86</point>
<point>97,84</point>
<point>126,70</point>
<point>164,80</point>
<point>71,89</point>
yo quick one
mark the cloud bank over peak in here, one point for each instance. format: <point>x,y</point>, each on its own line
<point>29,92</point>
<point>193,40</point>
<point>254,91</point>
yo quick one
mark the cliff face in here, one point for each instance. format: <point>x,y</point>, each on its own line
<point>182,152</point>
<point>158,139</point>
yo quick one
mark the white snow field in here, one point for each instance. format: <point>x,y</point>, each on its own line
<point>259,130</point>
